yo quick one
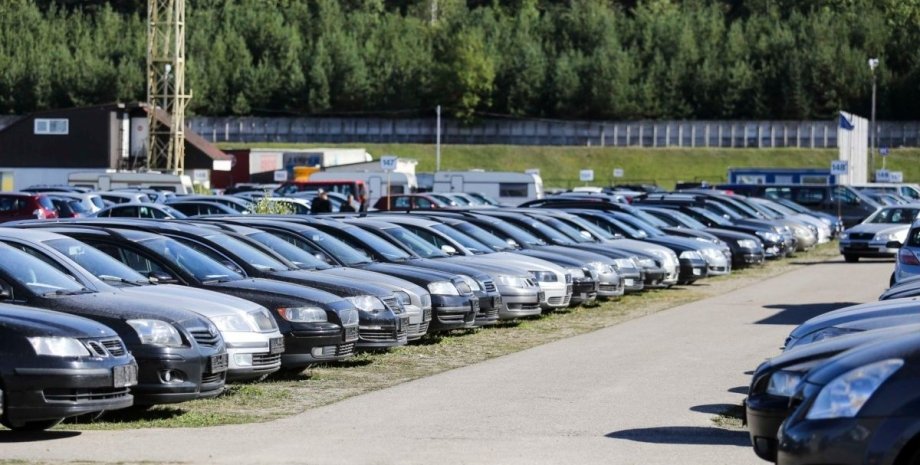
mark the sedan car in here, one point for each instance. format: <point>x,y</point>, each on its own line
<point>828,325</point>
<point>54,366</point>
<point>180,355</point>
<point>140,210</point>
<point>879,235</point>
<point>860,407</point>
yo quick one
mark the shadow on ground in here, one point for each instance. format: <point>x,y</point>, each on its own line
<point>740,389</point>
<point>13,436</point>
<point>708,436</point>
<point>796,314</point>
<point>717,409</point>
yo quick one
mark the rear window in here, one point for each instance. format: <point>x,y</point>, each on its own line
<point>46,203</point>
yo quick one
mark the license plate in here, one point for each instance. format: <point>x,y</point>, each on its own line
<point>584,296</point>
<point>697,272</point>
<point>276,345</point>
<point>859,245</point>
<point>124,376</point>
<point>218,363</point>
<point>628,282</point>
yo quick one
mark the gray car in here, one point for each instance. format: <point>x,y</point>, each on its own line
<point>880,235</point>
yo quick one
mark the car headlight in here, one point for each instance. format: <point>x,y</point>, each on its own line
<point>367,303</point>
<point>845,395</point>
<point>462,287</point>
<point>887,237</point>
<point>303,314</point>
<point>600,267</point>
<point>263,319</point>
<point>768,236</point>
<point>474,286</point>
<point>229,323</point>
<point>58,346</point>
<point>784,383</point>
<point>647,263</point>
<point>426,300</point>
<point>844,236</point>
<point>747,243</point>
<point>575,273</point>
<point>544,276</point>
<point>156,332</point>
<point>690,255</point>
<point>513,281</point>
<point>349,317</point>
<point>624,264</point>
<point>403,298</point>
<point>666,256</point>
<point>443,288</point>
<point>714,254</point>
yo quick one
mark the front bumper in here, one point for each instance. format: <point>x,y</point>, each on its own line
<point>189,371</point>
<point>453,312</point>
<point>654,277</point>
<point>748,257</point>
<point>384,333</point>
<point>557,291</point>
<point>58,391</point>
<point>250,355</point>
<point>871,248</point>
<point>765,413</point>
<point>490,305</point>
<point>419,320</point>
<point>320,343</point>
<point>584,290</point>
<point>844,441</point>
<point>519,302</point>
<point>692,270</point>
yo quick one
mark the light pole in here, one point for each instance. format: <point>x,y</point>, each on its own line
<point>873,63</point>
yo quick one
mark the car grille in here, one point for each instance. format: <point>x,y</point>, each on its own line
<point>417,329</point>
<point>351,333</point>
<point>114,346</point>
<point>862,236</point>
<point>608,288</point>
<point>489,286</point>
<point>211,378</point>
<point>78,395</point>
<point>393,304</point>
<point>340,350</point>
<point>560,300</point>
<point>522,307</point>
<point>452,317</point>
<point>265,360</point>
<point>204,337</point>
<point>489,314</point>
<point>380,335</point>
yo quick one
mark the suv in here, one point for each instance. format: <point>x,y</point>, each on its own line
<point>25,206</point>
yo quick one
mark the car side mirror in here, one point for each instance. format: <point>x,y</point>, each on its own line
<point>893,245</point>
<point>618,236</point>
<point>323,258</point>
<point>5,294</point>
<point>233,266</point>
<point>160,277</point>
<point>448,249</point>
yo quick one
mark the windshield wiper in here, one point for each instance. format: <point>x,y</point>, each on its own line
<point>215,279</point>
<point>116,279</point>
<point>82,290</point>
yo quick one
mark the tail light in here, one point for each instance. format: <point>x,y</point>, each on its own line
<point>39,214</point>
<point>906,257</point>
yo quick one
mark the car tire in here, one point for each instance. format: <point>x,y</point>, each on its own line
<point>850,258</point>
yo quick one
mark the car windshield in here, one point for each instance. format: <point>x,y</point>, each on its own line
<point>247,253</point>
<point>377,244</point>
<point>471,244</point>
<point>765,211</point>
<point>640,225</point>
<point>569,231</point>
<point>296,255</point>
<point>617,225</point>
<point>97,262</point>
<point>36,275</point>
<point>686,220</point>
<point>481,235</point>
<point>339,249</point>
<point>413,242</point>
<point>893,215</point>
<point>709,215</point>
<point>791,205</point>
<point>193,262</point>
<point>777,208</point>
<point>548,232</point>
<point>647,218</point>
<point>588,226</point>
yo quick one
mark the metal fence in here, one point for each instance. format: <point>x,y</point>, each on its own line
<point>753,134</point>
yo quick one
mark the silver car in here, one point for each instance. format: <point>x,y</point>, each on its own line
<point>879,235</point>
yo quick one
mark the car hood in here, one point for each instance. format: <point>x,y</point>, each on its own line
<point>879,228</point>
<point>280,289</point>
<point>420,276</point>
<point>906,346</point>
<point>118,305</point>
<point>379,279</point>
<point>202,301</point>
<point>332,284</point>
<point>524,262</point>
<point>29,322</point>
<point>883,308</point>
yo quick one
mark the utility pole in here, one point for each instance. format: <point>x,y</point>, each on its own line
<point>166,85</point>
<point>437,149</point>
<point>873,63</point>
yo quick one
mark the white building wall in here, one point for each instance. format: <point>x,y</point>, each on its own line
<point>853,146</point>
<point>25,177</point>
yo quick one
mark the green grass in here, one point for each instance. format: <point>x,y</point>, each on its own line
<point>559,166</point>
<point>286,395</point>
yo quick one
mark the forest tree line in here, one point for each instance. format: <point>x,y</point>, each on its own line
<point>565,59</point>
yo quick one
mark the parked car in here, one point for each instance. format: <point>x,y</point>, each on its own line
<point>69,208</point>
<point>907,264</point>
<point>827,325</point>
<point>410,202</point>
<point>139,210</point>
<point>317,326</point>
<point>879,235</point>
<point>25,206</point>
<point>180,355</point>
<point>200,207</point>
<point>239,204</point>
<point>251,335</point>
<point>54,366</point>
<point>91,202</point>
<point>858,407</point>
<point>118,197</point>
<point>843,201</point>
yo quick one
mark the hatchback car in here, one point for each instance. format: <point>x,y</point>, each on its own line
<point>26,206</point>
<point>54,365</point>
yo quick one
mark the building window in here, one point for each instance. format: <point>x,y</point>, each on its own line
<point>55,127</point>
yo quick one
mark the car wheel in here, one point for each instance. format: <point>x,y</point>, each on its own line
<point>850,258</point>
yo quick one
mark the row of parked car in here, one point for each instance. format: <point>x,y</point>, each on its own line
<point>108,312</point>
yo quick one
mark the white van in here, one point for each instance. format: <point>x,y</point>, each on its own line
<point>910,192</point>
<point>376,181</point>
<point>106,181</point>
<point>507,187</point>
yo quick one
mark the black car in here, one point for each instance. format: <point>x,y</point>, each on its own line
<point>180,355</point>
<point>860,407</point>
<point>453,304</point>
<point>317,326</point>
<point>828,325</point>
<point>54,365</point>
<point>775,381</point>
<point>383,322</point>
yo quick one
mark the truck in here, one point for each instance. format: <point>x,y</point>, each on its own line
<point>507,187</point>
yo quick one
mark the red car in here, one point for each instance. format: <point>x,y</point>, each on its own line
<point>25,206</point>
<point>410,202</point>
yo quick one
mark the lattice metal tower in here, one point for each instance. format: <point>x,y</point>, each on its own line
<point>166,95</point>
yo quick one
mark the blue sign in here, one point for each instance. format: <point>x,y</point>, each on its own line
<point>883,151</point>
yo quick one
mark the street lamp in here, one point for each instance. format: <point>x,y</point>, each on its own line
<point>873,63</point>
